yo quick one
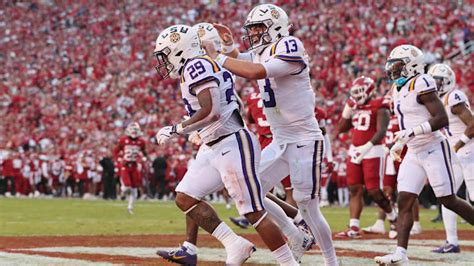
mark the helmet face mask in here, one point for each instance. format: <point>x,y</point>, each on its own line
<point>257,34</point>
<point>362,89</point>
<point>164,66</point>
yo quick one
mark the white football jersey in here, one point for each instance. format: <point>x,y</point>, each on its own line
<point>289,101</point>
<point>199,71</point>
<point>411,113</point>
<point>456,126</point>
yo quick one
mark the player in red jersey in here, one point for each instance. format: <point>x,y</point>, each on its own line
<point>127,153</point>
<point>369,118</point>
<point>328,162</point>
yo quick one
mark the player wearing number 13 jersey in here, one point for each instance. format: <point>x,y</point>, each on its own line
<point>369,118</point>
<point>279,63</point>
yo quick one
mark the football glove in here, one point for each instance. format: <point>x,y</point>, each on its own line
<point>168,132</point>
<point>360,152</point>
<point>396,151</point>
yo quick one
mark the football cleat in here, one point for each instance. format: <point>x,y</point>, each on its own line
<point>392,259</point>
<point>447,248</point>
<point>416,229</point>
<point>179,255</point>
<point>303,243</point>
<point>376,228</point>
<point>240,222</point>
<point>239,252</point>
<point>353,233</point>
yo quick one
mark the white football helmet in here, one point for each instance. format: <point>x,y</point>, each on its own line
<point>133,130</point>
<point>404,62</point>
<point>207,32</point>
<point>274,21</point>
<point>444,77</point>
<point>174,46</point>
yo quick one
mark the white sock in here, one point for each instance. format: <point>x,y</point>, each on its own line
<point>354,222</point>
<point>401,250</point>
<point>392,215</point>
<point>131,197</point>
<point>298,218</point>
<point>416,224</point>
<point>346,196</point>
<point>286,225</point>
<point>225,235</point>
<point>450,225</point>
<point>340,196</point>
<point>191,248</point>
<point>284,256</point>
<point>320,228</point>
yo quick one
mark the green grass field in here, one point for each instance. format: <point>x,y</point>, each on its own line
<point>27,217</point>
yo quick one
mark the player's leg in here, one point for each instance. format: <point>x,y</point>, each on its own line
<point>274,168</point>
<point>135,178</point>
<point>411,179</point>
<point>373,176</point>
<point>286,182</point>
<point>243,184</point>
<point>441,175</point>
<point>305,161</point>
<point>416,229</point>
<point>355,183</point>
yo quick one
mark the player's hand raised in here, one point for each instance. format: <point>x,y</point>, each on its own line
<point>225,33</point>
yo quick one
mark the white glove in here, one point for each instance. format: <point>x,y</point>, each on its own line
<point>167,132</point>
<point>404,135</point>
<point>195,138</point>
<point>396,151</point>
<point>360,151</point>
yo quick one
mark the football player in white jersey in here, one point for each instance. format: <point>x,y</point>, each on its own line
<point>421,115</point>
<point>188,250</point>
<point>230,154</point>
<point>459,133</point>
<point>279,63</point>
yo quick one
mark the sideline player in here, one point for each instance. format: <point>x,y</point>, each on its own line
<point>369,118</point>
<point>279,63</point>
<point>130,147</point>
<point>230,153</point>
<point>459,133</point>
<point>421,115</point>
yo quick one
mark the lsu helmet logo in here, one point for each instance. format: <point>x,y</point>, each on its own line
<point>275,13</point>
<point>201,32</point>
<point>175,37</point>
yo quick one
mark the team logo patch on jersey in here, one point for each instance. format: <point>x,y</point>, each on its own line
<point>175,37</point>
<point>275,14</point>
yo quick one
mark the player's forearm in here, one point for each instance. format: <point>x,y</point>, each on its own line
<point>344,125</point>
<point>242,68</point>
<point>378,136</point>
<point>327,141</point>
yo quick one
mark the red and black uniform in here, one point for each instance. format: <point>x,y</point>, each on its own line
<point>371,170</point>
<point>127,154</point>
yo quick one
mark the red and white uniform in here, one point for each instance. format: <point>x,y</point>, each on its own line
<point>127,153</point>
<point>255,115</point>
<point>391,166</point>
<point>56,172</point>
<point>340,170</point>
<point>371,170</point>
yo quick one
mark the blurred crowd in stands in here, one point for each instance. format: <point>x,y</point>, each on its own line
<point>76,73</point>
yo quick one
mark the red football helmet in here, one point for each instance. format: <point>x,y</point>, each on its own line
<point>362,89</point>
<point>133,130</point>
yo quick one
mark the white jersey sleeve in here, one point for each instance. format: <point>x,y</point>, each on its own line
<point>455,97</point>
<point>290,49</point>
<point>199,71</point>
<point>424,84</point>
